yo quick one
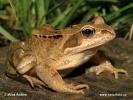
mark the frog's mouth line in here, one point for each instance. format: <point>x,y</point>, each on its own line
<point>90,49</point>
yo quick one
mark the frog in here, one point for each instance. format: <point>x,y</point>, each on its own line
<point>49,54</point>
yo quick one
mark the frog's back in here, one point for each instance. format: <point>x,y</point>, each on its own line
<point>44,43</point>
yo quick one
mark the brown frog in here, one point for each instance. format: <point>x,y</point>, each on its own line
<point>49,54</point>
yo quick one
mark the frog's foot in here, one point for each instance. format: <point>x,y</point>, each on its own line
<point>53,80</point>
<point>77,88</point>
<point>106,67</point>
<point>33,81</point>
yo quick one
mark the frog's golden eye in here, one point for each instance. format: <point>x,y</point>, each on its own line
<point>87,32</point>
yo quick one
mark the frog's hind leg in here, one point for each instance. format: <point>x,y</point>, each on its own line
<point>53,80</point>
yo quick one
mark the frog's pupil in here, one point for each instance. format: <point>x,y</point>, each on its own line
<point>87,32</point>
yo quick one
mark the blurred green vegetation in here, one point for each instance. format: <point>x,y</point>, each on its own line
<point>19,17</point>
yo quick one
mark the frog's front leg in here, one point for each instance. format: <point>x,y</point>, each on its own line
<point>53,80</point>
<point>104,66</point>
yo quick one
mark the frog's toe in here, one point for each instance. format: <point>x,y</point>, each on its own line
<point>33,81</point>
<point>116,71</point>
<point>80,86</point>
<point>79,92</point>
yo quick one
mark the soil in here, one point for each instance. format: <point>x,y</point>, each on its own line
<point>101,87</point>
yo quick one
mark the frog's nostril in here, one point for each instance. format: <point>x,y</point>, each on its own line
<point>105,31</point>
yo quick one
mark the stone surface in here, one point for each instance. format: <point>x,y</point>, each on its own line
<point>103,86</point>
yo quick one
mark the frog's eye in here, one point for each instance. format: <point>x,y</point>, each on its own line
<point>87,31</point>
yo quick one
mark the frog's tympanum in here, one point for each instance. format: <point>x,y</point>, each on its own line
<point>49,54</point>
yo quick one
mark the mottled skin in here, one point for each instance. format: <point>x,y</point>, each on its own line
<point>49,54</point>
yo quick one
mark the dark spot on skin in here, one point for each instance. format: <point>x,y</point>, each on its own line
<point>54,36</point>
<point>35,35</point>
<point>50,37</point>
<point>44,36</point>
<point>58,36</point>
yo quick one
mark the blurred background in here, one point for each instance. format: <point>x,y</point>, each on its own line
<point>19,17</point>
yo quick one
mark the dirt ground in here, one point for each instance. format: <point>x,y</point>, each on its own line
<point>101,87</point>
